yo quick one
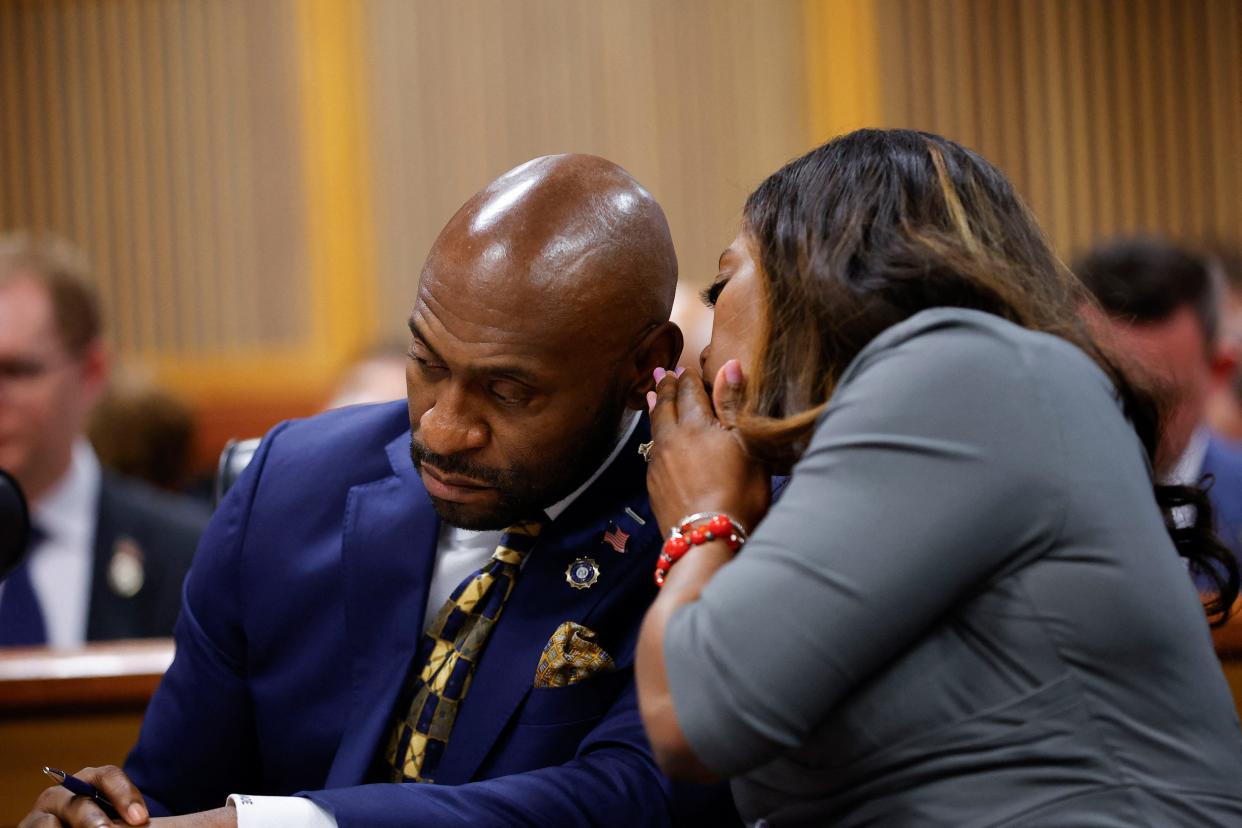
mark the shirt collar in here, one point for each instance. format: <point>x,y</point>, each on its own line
<point>627,428</point>
<point>1190,465</point>
<point>65,510</point>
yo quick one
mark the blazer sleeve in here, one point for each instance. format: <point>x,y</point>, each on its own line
<point>937,467</point>
<point>612,781</point>
<point>185,756</point>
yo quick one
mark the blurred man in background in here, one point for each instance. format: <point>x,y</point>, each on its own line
<point>1162,306</point>
<point>145,433</point>
<point>375,375</point>
<point>107,555</point>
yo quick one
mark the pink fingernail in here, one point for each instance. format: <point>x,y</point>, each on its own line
<point>651,401</point>
<point>659,374</point>
<point>733,372</point>
<point>679,372</point>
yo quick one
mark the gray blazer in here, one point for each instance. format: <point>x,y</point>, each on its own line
<point>964,610</point>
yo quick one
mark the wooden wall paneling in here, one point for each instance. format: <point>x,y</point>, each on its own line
<point>129,126</point>
<point>53,62</point>
<point>917,20</point>
<point>220,285</point>
<point>215,158</point>
<point>1053,114</point>
<point>843,71</point>
<point>33,131</point>
<point>1167,133</point>
<point>1010,155</point>
<point>337,165</point>
<point>1142,64</point>
<point>278,191</point>
<point>9,184</point>
<point>113,207</point>
<point>245,323</point>
<point>966,38</point>
<point>1188,42</point>
<point>96,236</point>
<point>1076,83</point>
<point>1196,45</point>
<point>137,179</point>
<point>181,214</point>
<point>945,91</point>
<point>1110,117</point>
<point>80,195</point>
<point>698,100</point>
<point>1224,33</point>
<point>199,312</point>
<point>163,274</point>
<point>1034,178</point>
<point>984,56</point>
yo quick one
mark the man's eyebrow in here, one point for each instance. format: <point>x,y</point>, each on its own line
<point>710,294</point>
<point>514,372</point>
<point>421,338</point>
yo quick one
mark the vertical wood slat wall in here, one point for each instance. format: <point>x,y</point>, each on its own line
<point>698,99</point>
<point>191,147</point>
<point>156,135</point>
<point>171,138</point>
<point>1111,116</point>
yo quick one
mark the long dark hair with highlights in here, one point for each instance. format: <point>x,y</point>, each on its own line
<point>877,225</point>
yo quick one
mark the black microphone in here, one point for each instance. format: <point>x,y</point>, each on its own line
<point>14,524</point>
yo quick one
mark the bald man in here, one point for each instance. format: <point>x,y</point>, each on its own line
<point>430,619</point>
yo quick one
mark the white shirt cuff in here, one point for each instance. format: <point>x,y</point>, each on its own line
<point>279,812</point>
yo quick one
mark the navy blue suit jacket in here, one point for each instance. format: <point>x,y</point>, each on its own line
<point>304,607</point>
<point>164,529</point>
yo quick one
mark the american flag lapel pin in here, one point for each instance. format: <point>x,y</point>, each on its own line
<point>616,537</point>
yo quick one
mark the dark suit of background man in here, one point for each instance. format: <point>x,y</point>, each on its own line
<point>540,313</point>
<point>1163,314</point>
<point>109,554</point>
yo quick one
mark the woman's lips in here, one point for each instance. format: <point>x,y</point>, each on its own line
<point>447,487</point>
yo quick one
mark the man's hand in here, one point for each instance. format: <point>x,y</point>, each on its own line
<point>57,806</point>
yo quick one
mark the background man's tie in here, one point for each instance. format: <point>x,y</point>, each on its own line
<point>21,617</point>
<point>452,647</point>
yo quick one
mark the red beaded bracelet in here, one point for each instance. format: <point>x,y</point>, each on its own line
<point>696,529</point>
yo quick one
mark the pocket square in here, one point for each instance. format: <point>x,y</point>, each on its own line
<point>570,656</point>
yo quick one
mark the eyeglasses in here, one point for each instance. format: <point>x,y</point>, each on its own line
<point>19,373</point>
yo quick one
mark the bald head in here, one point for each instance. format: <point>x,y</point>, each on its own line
<point>541,312</point>
<point>563,234</point>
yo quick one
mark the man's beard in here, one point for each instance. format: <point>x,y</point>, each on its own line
<point>532,482</point>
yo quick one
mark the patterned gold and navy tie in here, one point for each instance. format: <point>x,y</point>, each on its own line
<point>453,644</point>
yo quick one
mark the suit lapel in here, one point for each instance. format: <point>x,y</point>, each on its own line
<point>108,614</point>
<point>388,551</point>
<point>541,601</point>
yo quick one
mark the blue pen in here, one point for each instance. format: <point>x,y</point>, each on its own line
<point>81,787</point>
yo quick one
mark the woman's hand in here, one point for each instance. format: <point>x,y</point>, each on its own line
<point>698,463</point>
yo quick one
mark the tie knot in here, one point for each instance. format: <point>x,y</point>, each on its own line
<point>528,528</point>
<point>518,540</point>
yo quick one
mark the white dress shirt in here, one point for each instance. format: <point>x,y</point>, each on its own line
<point>60,564</point>
<point>459,552</point>
<point>1187,471</point>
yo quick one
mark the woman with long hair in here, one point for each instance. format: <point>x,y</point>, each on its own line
<point>970,605</point>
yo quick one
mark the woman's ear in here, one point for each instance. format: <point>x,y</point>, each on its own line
<point>660,348</point>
